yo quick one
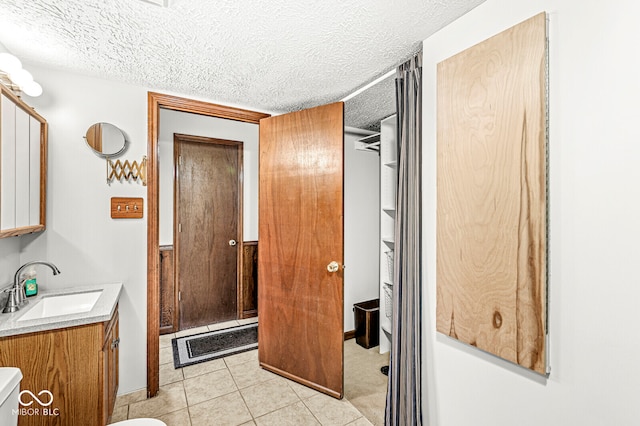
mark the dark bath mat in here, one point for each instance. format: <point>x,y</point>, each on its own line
<point>212,345</point>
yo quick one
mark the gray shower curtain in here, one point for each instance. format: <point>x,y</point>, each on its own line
<point>404,394</point>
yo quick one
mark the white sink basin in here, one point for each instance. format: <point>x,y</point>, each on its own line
<point>63,304</point>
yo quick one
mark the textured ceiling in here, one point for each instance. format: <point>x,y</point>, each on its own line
<point>366,109</point>
<point>274,56</point>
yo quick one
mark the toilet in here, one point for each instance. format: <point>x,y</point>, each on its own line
<point>139,422</point>
<point>10,378</point>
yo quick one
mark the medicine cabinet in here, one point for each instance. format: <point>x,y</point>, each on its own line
<point>23,167</point>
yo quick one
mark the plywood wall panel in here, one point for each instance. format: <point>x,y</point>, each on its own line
<point>491,177</point>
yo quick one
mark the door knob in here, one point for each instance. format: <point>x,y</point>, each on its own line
<point>333,266</point>
<point>232,243</point>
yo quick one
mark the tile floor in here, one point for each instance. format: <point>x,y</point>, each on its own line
<point>232,391</point>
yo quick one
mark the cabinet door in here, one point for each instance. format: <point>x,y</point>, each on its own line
<point>22,163</point>
<point>110,352</point>
<point>23,147</point>
<point>35,129</point>
<point>8,164</point>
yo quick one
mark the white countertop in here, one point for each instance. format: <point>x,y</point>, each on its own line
<point>101,311</point>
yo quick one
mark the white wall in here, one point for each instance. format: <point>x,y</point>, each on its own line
<point>81,238</point>
<point>199,125</point>
<point>9,260</point>
<point>594,228</point>
<point>361,227</point>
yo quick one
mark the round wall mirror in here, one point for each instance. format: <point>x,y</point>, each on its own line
<point>106,140</point>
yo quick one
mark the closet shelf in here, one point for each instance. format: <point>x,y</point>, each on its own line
<point>369,143</point>
<point>391,211</point>
<point>389,241</point>
<point>392,164</point>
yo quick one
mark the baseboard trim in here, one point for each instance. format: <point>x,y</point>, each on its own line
<point>349,334</point>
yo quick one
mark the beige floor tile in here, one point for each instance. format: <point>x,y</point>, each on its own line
<point>208,386</point>
<point>372,407</point>
<point>248,320</point>
<point>249,374</point>
<point>269,396</point>
<point>251,423</point>
<point>192,331</point>
<point>177,418</point>
<point>302,391</point>
<point>293,415</point>
<point>226,410</point>
<point>166,355</point>
<point>331,411</point>
<point>165,340</point>
<point>241,358</point>
<point>364,386</point>
<point>362,421</point>
<point>170,398</point>
<point>203,368</point>
<point>120,413</point>
<point>222,325</point>
<point>169,374</point>
<point>128,398</point>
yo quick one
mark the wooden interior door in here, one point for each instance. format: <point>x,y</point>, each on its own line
<point>301,303</point>
<point>207,228</point>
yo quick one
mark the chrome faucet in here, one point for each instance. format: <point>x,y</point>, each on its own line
<point>17,296</point>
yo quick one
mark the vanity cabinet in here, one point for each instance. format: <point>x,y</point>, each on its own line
<point>111,371</point>
<point>23,155</point>
<point>78,365</point>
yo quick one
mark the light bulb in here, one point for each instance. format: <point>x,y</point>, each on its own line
<point>32,89</point>
<point>21,77</point>
<point>9,63</point>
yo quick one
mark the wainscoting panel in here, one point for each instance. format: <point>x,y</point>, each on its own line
<point>249,290</point>
<point>168,303</point>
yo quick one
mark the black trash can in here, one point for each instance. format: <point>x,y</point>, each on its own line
<point>367,317</point>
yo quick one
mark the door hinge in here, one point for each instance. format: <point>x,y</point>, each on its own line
<point>179,296</point>
<point>179,227</point>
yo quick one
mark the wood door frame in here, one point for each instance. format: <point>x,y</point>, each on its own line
<point>240,176</point>
<point>156,101</point>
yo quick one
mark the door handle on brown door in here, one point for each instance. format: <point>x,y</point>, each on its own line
<point>232,243</point>
<point>333,266</point>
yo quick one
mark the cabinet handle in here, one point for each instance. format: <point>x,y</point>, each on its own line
<point>115,343</point>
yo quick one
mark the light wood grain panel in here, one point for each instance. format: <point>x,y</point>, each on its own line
<point>491,201</point>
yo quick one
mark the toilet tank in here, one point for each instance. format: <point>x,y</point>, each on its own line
<point>10,378</point>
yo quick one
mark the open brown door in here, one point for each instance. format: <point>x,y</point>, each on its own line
<point>301,294</point>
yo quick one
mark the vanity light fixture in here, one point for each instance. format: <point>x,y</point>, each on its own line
<point>17,78</point>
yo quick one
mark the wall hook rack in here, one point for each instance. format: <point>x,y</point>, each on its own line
<point>126,170</point>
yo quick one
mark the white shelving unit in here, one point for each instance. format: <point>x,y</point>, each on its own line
<point>388,188</point>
